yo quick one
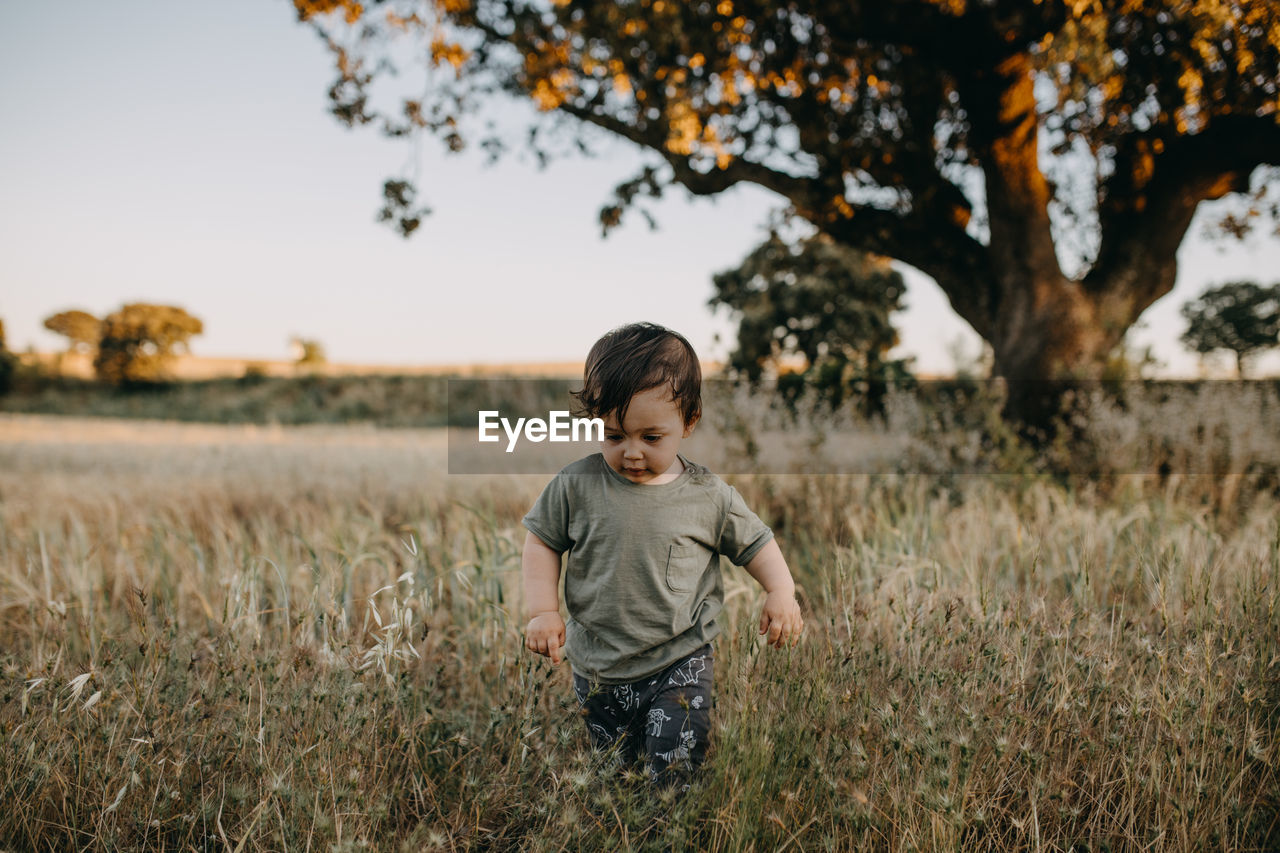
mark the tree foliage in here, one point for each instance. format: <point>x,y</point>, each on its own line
<point>139,341</point>
<point>8,364</point>
<point>1239,316</point>
<point>309,353</point>
<point>81,328</point>
<point>1041,161</point>
<point>816,314</point>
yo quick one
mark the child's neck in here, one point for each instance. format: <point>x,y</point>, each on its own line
<point>670,474</point>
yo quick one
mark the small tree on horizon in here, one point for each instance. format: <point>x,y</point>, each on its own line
<point>81,328</point>
<point>309,353</point>
<point>139,341</point>
<point>1239,316</point>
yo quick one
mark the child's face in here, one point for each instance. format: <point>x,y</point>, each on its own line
<point>644,447</point>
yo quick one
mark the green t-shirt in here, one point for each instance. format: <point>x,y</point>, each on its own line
<point>641,582</point>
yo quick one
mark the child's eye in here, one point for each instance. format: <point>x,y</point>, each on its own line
<point>653,438</point>
<point>613,437</point>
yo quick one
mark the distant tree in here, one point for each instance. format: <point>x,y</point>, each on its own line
<point>8,364</point>
<point>81,328</point>
<point>139,342</point>
<point>821,308</point>
<point>309,353</point>
<point>254,373</point>
<point>1238,316</point>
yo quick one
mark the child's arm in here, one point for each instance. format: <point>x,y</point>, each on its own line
<point>540,566</point>
<point>781,615</point>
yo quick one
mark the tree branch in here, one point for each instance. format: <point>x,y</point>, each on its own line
<point>1152,196</point>
<point>931,238</point>
<point>699,183</point>
<point>1003,135</point>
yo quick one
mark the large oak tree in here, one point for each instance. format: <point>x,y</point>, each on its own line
<point>1042,161</point>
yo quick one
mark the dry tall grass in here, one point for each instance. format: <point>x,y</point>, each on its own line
<point>310,638</point>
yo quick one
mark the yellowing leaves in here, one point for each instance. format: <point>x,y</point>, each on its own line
<point>682,128</point>
<point>1112,86</point>
<point>687,135</point>
<point>307,9</point>
<point>545,97</point>
<point>1244,61</point>
<point>674,75</point>
<point>1144,167</point>
<point>552,91</point>
<point>1192,84</point>
<point>402,24</point>
<point>443,51</point>
<point>737,32</point>
<point>951,7</point>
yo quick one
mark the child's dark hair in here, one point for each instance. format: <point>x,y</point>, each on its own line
<point>635,358</point>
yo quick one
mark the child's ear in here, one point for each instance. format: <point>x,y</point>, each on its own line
<point>688,428</point>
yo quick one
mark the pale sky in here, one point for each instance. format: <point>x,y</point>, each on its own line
<point>182,153</point>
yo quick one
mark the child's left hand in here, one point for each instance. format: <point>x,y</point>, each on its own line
<point>781,619</point>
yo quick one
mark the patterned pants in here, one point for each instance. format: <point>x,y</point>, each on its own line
<point>665,717</point>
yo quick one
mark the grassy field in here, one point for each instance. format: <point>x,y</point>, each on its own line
<point>309,638</point>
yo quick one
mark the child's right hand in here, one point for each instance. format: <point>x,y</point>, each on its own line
<point>545,635</point>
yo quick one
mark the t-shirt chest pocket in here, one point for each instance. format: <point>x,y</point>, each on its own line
<point>685,565</point>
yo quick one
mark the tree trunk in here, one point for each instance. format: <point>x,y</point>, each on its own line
<point>1048,338</point>
<point>1044,329</point>
<point>1050,329</point>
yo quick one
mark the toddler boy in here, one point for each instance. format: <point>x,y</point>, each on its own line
<point>644,527</point>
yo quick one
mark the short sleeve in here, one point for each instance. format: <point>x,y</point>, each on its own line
<point>549,518</point>
<point>742,534</point>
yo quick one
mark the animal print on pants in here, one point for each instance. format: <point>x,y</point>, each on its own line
<point>663,719</point>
